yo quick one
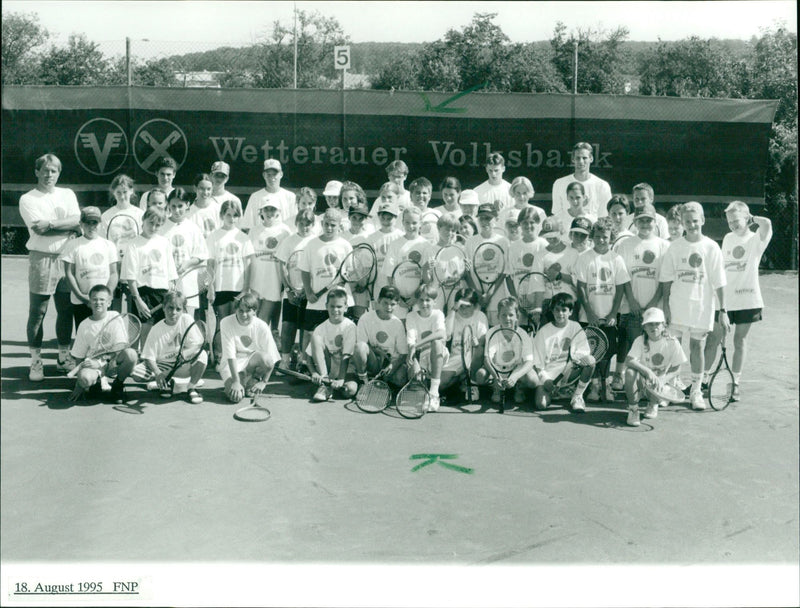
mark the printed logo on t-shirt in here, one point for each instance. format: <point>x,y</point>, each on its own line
<point>658,359</point>
<point>384,247</point>
<point>272,242</point>
<point>527,260</point>
<point>695,260</point>
<point>232,248</point>
<point>338,341</point>
<point>96,259</point>
<point>738,252</point>
<point>331,258</point>
<point>381,337</point>
<point>415,256</point>
<point>209,226</point>
<point>604,273</point>
<point>554,268</point>
<point>178,240</point>
<point>648,257</point>
<point>246,340</point>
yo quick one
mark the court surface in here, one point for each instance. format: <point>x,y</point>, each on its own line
<point>327,484</point>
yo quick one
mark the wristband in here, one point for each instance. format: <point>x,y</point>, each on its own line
<point>536,311</point>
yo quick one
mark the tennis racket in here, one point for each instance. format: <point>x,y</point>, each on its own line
<point>428,226</point>
<point>406,278</point>
<point>503,356</point>
<point>663,391</point>
<point>204,281</point>
<point>413,399</point>
<point>355,267</point>
<point>598,347</point>
<point>367,258</point>
<point>449,266</point>
<point>619,240</point>
<point>488,264</point>
<point>294,278</point>
<point>299,375</point>
<point>121,230</point>
<point>468,344</point>
<point>116,335</point>
<point>192,343</point>
<point>375,396</point>
<point>720,386</point>
<point>527,288</point>
<point>255,412</point>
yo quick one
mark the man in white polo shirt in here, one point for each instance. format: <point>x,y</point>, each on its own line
<point>597,190</point>
<point>272,178</point>
<point>52,216</point>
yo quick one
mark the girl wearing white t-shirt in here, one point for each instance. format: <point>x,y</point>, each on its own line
<point>265,278</point>
<point>124,197</point>
<point>654,357</point>
<point>741,253</point>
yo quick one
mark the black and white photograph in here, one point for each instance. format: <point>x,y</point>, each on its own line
<point>424,303</point>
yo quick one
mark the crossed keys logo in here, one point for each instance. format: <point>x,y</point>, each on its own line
<point>157,138</point>
<point>101,146</point>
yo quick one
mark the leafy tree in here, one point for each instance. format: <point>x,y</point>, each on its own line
<point>402,73</point>
<point>529,69</point>
<point>316,37</point>
<point>22,35</point>
<point>601,57</point>
<point>692,67</point>
<point>79,63</point>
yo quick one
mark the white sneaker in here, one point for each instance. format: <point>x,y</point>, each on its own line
<point>67,364</point>
<point>651,411</point>
<point>633,415</point>
<point>36,373</point>
<point>696,398</point>
<point>433,403</point>
<point>609,393</point>
<point>322,394</point>
<point>577,404</point>
<point>594,391</point>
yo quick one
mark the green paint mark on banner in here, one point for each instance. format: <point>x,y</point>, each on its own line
<point>441,107</point>
<point>434,458</point>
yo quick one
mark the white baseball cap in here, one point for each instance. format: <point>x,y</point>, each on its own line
<point>653,315</point>
<point>332,188</point>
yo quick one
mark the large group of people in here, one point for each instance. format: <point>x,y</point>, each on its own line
<point>645,279</point>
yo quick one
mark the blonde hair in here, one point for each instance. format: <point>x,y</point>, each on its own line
<point>522,181</point>
<point>693,206</point>
<point>737,207</point>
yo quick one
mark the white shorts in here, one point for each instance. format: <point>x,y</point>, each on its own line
<point>271,357</point>
<point>425,358</point>
<point>694,333</point>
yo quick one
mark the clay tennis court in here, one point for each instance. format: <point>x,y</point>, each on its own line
<point>326,483</point>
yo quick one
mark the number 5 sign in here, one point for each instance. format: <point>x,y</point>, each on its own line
<point>341,57</point>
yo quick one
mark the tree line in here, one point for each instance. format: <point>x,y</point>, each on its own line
<point>477,54</point>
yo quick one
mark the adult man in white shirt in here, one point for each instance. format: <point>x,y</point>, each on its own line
<point>287,200</point>
<point>52,216</point>
<point>597,190</point>
<point>495,190</point>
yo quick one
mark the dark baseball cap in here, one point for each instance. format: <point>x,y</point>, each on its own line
<point>581,224</point>
<point>487,209</point>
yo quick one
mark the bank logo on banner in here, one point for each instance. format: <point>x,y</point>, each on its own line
<point>157,138</point>
<point>101,146</point>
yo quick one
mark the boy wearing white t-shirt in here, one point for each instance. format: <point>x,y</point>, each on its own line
<point>425,337</point>
<point>249,353</point>
<point>88,261</point>
<point>381,341</point>
<point>741,253</point>
<point>92,371</point>
<point>692,272</point>
<point>381,240</point>
<point>601,277</point>
<point>495,190</point>
<point>331,348</point>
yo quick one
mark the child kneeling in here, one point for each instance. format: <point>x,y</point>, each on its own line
<point>561,356</point>
<point>331,348</point>
<point>249,353</point>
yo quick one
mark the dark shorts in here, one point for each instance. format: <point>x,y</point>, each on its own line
<point>629,328</point>
<point>152,297</point>
<point>292,313</point>
<point>739,317</point>
<point>80,312</point>
<point>312,318</point>
<point>224,297</point>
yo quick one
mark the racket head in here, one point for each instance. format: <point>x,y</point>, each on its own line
<point>122,229</point>
<point>412,400</point>
<point>374,396</point>
<point>527,287</point>
<point>621,238</point>
<point>467,347</point>
<point>720,386</point>
<point>663,391</point>
<point>504,349</point>
<point>407,277</point>
<point>294,276</point>
<point>488,262</point>
<point>598,342</point>
<point>193,341</point>
<point>117,334</point>
<point>254,412</point>
<point>359,264</point>
<point>449,265</point>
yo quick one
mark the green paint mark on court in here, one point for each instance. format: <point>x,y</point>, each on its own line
<point>432,458</point>
<point>441,107</point>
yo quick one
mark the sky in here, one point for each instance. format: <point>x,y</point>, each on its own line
<point>199,25</point>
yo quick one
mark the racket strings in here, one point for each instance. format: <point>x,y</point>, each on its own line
<point>598,343</point>
<point>407,277</point>
<point>374,396</point>
<point>359,265</point>
<point>505,348</point>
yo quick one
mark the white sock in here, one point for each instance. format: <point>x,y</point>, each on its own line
<point>696,379</point>
<point>435,386</point>
<point>737,376</point>
<point>36,354</point>
<point>63,351</point>
<point>580,388</point>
